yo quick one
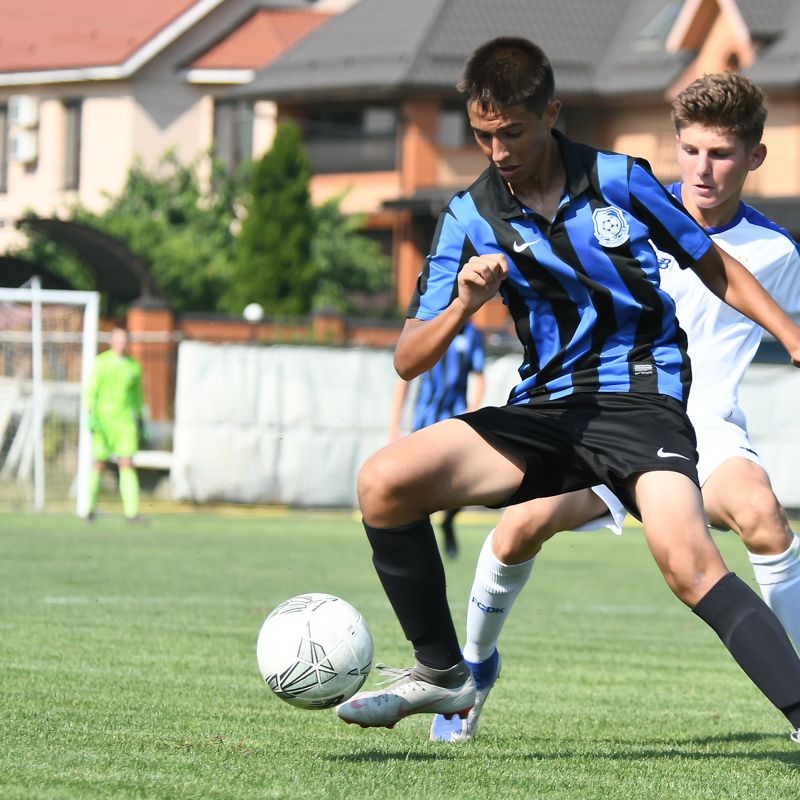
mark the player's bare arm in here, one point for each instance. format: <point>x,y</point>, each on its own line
<point>736,286</point>
<point>423,342</point>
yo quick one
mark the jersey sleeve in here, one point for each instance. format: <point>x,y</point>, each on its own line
<point>437,283</point>
<point>671,227</point>
<point>137,393</point>
<point>92,387</point>
<point>784,284</point>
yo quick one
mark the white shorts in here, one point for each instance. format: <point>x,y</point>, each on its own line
<point>718,439</point>
<point>613,519</point>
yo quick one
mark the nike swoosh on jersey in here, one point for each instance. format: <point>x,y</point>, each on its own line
<point>519,248</point>
<point>662,453</point>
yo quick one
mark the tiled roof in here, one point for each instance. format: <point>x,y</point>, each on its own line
<point>384,46</point>
<point>62,34</point>
<point>260,39</point>
<point>778,63</point>
<point>764,17</point>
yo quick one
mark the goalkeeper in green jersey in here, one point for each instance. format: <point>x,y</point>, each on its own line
<point>114,402</point>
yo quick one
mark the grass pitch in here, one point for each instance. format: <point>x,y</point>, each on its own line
<point>127,670</point>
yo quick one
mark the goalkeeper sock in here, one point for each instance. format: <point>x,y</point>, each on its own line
<point>129,491</point>
<point>95,479</point>
<point>410,568</point>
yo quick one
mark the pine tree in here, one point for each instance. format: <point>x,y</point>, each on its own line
<point>273,251</point>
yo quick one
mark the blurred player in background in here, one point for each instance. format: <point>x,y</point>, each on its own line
<point>719,120</point>
<point>443,394</point>
<point>114,402</point>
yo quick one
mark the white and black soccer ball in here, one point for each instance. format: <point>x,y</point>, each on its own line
<point>314,650</point>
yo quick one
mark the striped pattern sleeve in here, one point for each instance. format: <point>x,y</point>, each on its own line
<point>437,283</point>
<point>672,228</point>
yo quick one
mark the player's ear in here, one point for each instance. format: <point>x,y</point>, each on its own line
<point>757,156</point>
<point>551,112</point>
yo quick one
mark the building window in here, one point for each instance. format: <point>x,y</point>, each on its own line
<point>72,156</point>
<point>3,148</point>
<point>454,128</point>
<point>351,138</point>
<point>233,132</point>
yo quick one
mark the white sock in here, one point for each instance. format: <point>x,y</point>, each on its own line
<point>779,579</point>
<point>494,591</point>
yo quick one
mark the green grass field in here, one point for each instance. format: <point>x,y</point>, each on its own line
<point>127,670</point>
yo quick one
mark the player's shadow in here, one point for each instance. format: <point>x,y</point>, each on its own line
<point>693,748</point>
<point>380,756</point>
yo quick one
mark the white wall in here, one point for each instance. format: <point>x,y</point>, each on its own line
<point>292,425</point>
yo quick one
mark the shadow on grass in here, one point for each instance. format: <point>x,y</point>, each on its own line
<point>380,756</point>
<point>694,748</point>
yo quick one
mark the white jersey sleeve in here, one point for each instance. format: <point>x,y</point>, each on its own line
<point>723,342</point>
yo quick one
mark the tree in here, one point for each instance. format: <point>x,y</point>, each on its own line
<point>273,264</point>
<point>288,256</point>
<point>181,226</point>
<point>350,267</point>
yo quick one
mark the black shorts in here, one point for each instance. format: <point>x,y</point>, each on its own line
<point>585,439</point>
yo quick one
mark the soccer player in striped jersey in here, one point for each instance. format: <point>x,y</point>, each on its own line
<point>442,394</point>
<point>719,121</point>
<point>564,232</point>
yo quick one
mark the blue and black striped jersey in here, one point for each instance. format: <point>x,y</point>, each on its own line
<point>443,388</point>
<point>582,289</point>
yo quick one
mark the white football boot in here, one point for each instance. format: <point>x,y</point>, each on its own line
<point>407,692</point>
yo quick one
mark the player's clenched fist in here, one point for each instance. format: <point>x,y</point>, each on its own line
<point>479,279</point>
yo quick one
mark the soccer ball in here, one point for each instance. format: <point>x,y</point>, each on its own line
<point>314,650</point>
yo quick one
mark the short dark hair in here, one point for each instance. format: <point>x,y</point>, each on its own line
<point>508,71</point>
<point>726,101</point>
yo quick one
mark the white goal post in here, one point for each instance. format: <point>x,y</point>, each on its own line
<point>48,341</point>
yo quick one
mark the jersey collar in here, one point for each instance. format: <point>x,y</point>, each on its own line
<point>577,180</point>
<point>677,191</point>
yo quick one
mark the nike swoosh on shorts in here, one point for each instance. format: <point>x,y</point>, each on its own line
<point>662,453</point>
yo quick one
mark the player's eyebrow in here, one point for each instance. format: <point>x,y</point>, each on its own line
<point>501,129</point>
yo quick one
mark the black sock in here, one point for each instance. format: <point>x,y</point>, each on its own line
<point>410,568</point>
<point>450,544</point>
<point>449,518</point>
<point>756,639</point>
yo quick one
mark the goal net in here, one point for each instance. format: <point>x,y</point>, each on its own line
<point>48,340</point>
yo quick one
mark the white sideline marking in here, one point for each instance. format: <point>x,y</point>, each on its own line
<point>620,610</point>
<point>82,600</point>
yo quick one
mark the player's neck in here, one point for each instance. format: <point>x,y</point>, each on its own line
<point>542,191</point>
<point>716,217</point>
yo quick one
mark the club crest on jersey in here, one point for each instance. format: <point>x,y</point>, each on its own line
<point>610,226</point>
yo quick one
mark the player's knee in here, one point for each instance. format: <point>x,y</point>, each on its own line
<point>377,485</point>
<point>761,522</point>
<point>520,535</point>
<point>691,579</point>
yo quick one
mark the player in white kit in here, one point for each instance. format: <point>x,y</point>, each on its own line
<point>719,122</point>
